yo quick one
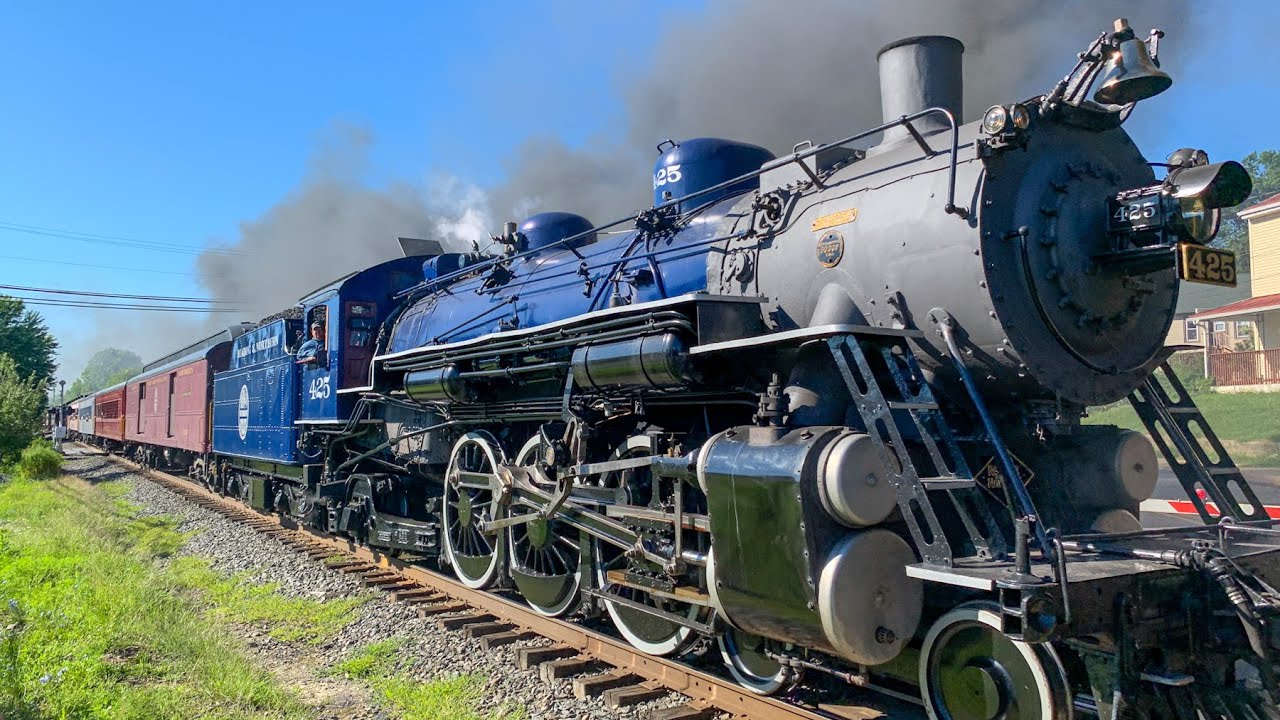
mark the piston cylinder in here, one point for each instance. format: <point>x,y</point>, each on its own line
<point>1112,468</point>
<point>784,565</point>
<point>854,484</point>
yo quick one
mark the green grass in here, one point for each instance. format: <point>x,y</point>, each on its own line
<point>456,698</point>
<point>452,698</point>
<point>285,618</point>
<point>373,660</point>
<point>1239,417</point>
<point>93,627</point>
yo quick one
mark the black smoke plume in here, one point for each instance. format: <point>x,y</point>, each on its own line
<point>762,71</point>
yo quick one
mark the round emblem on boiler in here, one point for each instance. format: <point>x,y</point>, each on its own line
<point>242,414</point>
<point>830,249</point>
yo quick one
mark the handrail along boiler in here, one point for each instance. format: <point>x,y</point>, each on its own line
<point>823,410</point>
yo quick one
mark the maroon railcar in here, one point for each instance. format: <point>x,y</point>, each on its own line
<point>108,411</point>
<point>167,405</point>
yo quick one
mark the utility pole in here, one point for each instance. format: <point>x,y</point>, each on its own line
<point>60,431</point>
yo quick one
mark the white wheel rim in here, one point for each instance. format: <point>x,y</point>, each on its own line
<point>571,598</point>
<point>493,453</point>
<point>1035,656</point>
<point>756,683</point>
<point>681,639</point>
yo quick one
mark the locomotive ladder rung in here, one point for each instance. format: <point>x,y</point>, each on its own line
<point>900,405</point>
<point>914,400</point>
<point>1169,424</point>
<point>946,483</point>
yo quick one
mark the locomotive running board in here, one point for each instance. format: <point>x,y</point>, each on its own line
<point>1170,424</point>
<point>912,398</point>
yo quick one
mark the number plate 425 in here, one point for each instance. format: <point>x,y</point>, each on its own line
<point>1202,264</point>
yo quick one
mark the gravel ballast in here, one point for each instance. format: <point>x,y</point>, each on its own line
<point>429,653</point>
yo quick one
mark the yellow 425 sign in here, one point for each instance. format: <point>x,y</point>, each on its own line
<point>1203,264</point>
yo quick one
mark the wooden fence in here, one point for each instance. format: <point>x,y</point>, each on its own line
<point>1253,367</point>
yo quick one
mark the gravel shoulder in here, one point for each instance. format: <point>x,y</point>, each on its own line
<point>427,654</point>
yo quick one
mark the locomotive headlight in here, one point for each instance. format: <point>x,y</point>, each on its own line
<point>1020,116</point>
<point>995,120</point>
<point>1199,222</point>
<point>1201,189</point>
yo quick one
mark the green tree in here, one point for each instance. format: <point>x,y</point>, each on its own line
<point>106,368</point>
<point>1264,168</point>
<point>26,339</point>
<point>21,405</point>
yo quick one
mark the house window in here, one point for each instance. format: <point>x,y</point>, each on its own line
<point>1219,326</point>
<point>1192,331</point>
<point>1242,328</point>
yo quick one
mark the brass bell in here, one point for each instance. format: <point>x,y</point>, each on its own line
<point>1130,75</point>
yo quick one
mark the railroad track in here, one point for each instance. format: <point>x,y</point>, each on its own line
<point>598,664</point>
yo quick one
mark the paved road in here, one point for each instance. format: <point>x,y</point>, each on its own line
<point>1264,481</point>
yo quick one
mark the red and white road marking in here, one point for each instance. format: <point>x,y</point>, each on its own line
<point>1186,507</point>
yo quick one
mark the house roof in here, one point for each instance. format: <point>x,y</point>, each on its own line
<point>1194,297</point>
<point>1248,306</point>
<point>1271,203</point>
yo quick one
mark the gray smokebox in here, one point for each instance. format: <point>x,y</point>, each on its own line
<point>918,73</point>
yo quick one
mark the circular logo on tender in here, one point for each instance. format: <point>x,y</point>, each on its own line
<point>830,249</point>
<point>243,413</point>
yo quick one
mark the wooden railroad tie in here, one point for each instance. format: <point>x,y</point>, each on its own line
<point>594,685</point>
<point>502,639</point>
<point>553,670</point>
<point>378,579</point>
<point>695,710</point>
<point>423,599</point>
<point>426,611</point>
<point>527,658</point>
<point>454,623</point>
<point>481,629</point>
<point>633,695</point>
<point>416,593</point>
<point>403,585</point>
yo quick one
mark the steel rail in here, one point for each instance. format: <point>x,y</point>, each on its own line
<point>708,693</point>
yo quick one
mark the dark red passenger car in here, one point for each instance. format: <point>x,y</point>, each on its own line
<point>167,404</point>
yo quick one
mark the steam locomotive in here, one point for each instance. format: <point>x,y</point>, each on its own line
<point>822,410</point>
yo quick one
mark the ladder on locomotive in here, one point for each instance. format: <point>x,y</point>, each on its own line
<point>1172,423</point>
<point>898,406</point>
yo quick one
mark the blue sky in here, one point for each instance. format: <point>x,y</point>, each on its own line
<point>174,122</point>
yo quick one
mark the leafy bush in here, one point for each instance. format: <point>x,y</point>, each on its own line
<point>21,400</point>
<point>1189,367</point>
<point>40,462</point>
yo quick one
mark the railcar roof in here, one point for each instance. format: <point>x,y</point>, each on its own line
<point>197,349</point>
<point>117,386</point>
<point>327,288</point>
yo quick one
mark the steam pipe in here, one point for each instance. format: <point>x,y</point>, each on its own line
<point>1025,506</point>
<point>951,207</point>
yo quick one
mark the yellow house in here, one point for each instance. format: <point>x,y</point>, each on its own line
<point>1186,333</point>
<point>1250,361</point>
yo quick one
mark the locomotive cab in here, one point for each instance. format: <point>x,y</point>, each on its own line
<point>352,310</point>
